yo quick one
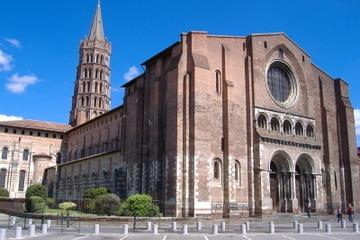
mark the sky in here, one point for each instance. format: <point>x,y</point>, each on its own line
<point>39,42</point>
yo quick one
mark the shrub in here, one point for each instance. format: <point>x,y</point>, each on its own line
<point>92,193</point>
<point>106,204</point>
<point>37,190</point>
<point>138,205</point>
<point>67,205</point>
<point>50,202</point>
<point>35,204</point>
<point>4,192</point>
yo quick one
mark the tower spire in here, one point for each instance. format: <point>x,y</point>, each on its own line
<point>97,30</point>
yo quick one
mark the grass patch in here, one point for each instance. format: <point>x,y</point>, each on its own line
<point>72,213</point>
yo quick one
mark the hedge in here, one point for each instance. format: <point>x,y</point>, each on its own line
<point>37,190</point>
<point>4,192</point>
<point>35,204</point>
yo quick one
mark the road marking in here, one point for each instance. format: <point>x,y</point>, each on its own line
<point>246,237</point>
<point>123,237</point>
<point>164,238</point>
<point>288,237</point>
<point>79,237</point>
<point>206,238</point>
<point>327,236</point>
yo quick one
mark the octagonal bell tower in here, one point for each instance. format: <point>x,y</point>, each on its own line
<point>92,86</point>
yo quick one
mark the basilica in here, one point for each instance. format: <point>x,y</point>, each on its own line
<point>216,125</point>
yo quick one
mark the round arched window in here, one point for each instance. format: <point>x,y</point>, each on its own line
<point>281,83</point>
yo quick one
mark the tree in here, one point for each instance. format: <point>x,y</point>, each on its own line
<point>92,193</point>
<point>4,192</point>
<point>139,205</point>
<point>35,204</point>
<point>37,190</point>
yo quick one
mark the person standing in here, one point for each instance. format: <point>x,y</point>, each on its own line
<point>308,208</point>
<point>338,214</point>
<point>350,212</point>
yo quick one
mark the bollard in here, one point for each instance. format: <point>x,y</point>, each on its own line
<point>2,234</point>
<point>149,226</point>
<point>243,228</point>
<point>185,229</point>
<point>18,233</point>
<point>320,225</point>
<point>13,221</point>
<point>198,226</point>
<point>48,222</point>
<point>44,228</point>
<point>96,229</point>
<point>155,229</point>
<point>295,225</point>
<point>32,230</point>
<point>300,228</point>
<point>126,229</point>
<point>222,226</point>
<point>30,222</point>
<point>355,227</point>
<point>247,226</point>
<point>173,226</point>
<point>343,224</point>
<point>328,228</point>
<point>215,229</point>
<point>271,228</point>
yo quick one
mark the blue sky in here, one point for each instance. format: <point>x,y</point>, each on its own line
<point>39,41</point>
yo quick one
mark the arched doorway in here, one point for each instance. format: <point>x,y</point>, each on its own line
<point>280,185</point>
<point>305,182</point>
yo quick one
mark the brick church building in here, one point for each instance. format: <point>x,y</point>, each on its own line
<point>216,124</point>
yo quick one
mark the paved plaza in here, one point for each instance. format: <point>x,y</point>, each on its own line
<point>258,230</point>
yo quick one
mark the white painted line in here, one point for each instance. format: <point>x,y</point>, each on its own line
<point>206,238</point>
<point>327,236</point>
<point>288,237</point>
<point>164,238</point>
<point>79,237</point>
<point>123,237</point>
<point>246,237</point>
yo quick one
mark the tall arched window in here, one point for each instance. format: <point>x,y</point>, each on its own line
<point>95,101</point>
<point>237,172</point>
<point>101,87</point>
<point>90,73</point>
<point>25,155</point>
<point>91,57</point>
<point>218,81</point>
<point>96,87</point>
<point>87,58</point>
<point>310,131</point>
<point>97,58</point>
<point>287,127</point>
<point>261,121</point>
<point>82,101</point>
<point>87,101</point>
<point>83,87</point>
<point>217,169</point>
<point>100,103</point>
<point>101,74</point>
<point>275,124</point>
<point>102,59</point>
<point>299,129</point>
<point>21,180</point>
<point>88,87</point>
<point>4,153</point>
<point>58,158</point>
<point>96,73</point>
<point>2,177</point>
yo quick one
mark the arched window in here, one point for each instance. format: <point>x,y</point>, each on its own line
<point>275,124</point>
<point>261,121</point>
<point>91,57</point>
<point>88,87</point>
<point>101,74</point>
<point>58,158</point>
<point>96,87</point>
<point>218,81</point>
<point>21,180</point>
<point>238,172</point>
<point>97,58</point>
<point>4,153</point>
<point>101,87</point>
<point>95,101</point>
<point>299,129</point>
<point>83,87</point>
<point>217,169</point>
<point>82,101</point>
<point>287,127</point>
<point>310,131</point>
<point>102,59</point>
<point>87,58</point>
<point>2,177</point>
<point>25,155</point>
<point>100,103</point>
<point>90,73</point>
<point>335,180</point>
<point>96,73</point>
<point>87,101</point>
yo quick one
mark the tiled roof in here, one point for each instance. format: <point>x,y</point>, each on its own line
<point>31,124</point>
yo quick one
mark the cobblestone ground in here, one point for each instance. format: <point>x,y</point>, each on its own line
<point>259,229</point>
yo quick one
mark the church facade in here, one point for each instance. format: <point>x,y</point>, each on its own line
<point>215,125</point>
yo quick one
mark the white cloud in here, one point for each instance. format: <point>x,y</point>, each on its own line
<point>18,84</point>
<point>357,121</point>
<point>13,42</point>
<point>5,61</point>
<point>131,73</point>
<point>4,117</point>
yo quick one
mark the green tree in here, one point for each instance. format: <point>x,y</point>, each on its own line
<point>139,205</point>
<point>106,204</point>
<point>4,192</point>
<point>92,193</point>
<point>35,204</point>
<point>37,190</point>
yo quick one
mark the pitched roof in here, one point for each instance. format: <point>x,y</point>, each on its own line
<point>31,124</point>
<point>97,30</point>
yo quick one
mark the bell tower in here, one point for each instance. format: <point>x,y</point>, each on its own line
<point>92,86</point>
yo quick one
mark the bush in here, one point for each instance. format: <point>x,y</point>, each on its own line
<point>35,204</point>
<point>106,204</point>
<point>37,190</point>
<point>4,192</point>
<point>138,205</point>
<point>93,193</point>
<point>50,202</point>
